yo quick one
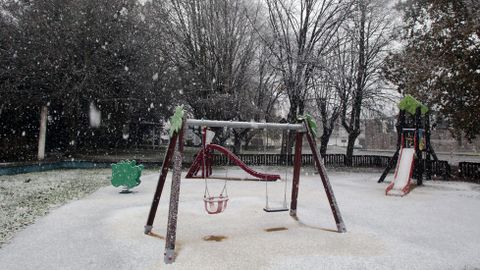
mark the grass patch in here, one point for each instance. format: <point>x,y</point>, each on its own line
<point>25,197</point>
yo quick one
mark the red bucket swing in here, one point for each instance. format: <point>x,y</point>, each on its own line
<point>213,204</point>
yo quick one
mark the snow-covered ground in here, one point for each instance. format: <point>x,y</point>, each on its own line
<point>436,226</point>
<point>25,197</point>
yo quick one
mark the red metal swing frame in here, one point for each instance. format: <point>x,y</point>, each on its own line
<point>177,141</point>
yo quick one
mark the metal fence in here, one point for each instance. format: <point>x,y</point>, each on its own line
<point>336,160</point>
<point>370,161</point>
<point>439,168</point>
<point>469,171</point>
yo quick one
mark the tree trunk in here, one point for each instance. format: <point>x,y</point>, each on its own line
<point>324,139</point>
<point>247,141</point>
<point>328,123</point>
<point>237,145</point>
<point>354,130</point>
<point>292,119</point>
<point>352,137</point>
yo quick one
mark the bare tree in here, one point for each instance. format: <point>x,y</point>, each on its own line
<point>265,94</point>
<point>301,33</point>
<point>324,86</point>
<point>211,47</point>
<point>367,35</point>
<point>221,69</point>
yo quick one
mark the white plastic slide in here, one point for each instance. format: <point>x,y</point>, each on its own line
<point>403,173</point>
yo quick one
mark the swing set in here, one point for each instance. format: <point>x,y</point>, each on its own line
<point>217,204</point>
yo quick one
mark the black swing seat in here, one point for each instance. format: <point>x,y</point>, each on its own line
<point>275,209</point>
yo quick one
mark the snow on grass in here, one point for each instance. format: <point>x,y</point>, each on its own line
<point>25,197</point>
<point>433,227</point>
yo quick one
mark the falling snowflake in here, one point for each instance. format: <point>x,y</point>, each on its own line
<point>95,116</point>
<point>124,11</point>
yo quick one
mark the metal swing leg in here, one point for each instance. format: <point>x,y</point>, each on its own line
<point>296,173</point>
<point>326,182</point>
<point>169,255</point>
<point>161,182</point>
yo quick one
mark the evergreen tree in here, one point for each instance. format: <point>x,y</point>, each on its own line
<point>70,54</point>
<point>440,60</point>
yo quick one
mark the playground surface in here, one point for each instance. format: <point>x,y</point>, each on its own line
<point>433,227</point>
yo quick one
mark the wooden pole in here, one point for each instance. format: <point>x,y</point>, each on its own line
<point>326,182</point>
<point>296,173</point>
<point>43,133</point>
<point>174,199</point>
<point>419,164</point>
<point>428,155</point>
<point>161,182</point>
<point>399,126</point>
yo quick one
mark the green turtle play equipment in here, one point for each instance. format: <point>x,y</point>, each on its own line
<point>126,174</point>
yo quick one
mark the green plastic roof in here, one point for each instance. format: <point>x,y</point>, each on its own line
<point>410,105</point>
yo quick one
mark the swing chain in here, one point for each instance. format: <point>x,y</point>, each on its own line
<point>284,206</point>
<point>213,205</point>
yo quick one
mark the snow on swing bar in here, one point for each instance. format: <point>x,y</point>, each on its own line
<point>238,124</point>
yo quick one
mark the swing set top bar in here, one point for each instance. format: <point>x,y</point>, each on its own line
<point>237,124</point>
